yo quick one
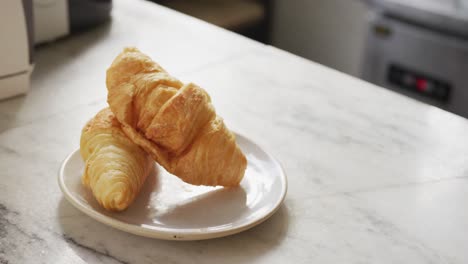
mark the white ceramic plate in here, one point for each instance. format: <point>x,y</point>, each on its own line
<point>168,208</point>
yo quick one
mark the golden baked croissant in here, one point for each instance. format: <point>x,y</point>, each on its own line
<point>115,168</point>
<point>174,122</point>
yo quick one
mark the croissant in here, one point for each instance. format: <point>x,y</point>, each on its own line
<point>174,122</point>
<point>115,168</point>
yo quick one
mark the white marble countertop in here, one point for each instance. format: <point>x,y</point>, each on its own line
<point>374,177</point>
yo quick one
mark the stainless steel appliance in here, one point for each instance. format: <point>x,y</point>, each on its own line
<point>420,48</point>
<point>57,18</point>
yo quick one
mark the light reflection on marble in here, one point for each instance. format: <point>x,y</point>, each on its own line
<point>374,177</point>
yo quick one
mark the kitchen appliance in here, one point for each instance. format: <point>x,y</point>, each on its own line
<point>28,22</point>
<point>420,48</point>
<point>57,18</point>
<point>16,46</point>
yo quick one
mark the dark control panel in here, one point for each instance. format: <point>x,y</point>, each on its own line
<point>419,83</point>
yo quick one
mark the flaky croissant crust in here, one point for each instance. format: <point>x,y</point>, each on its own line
<point>174,122</point>
<point>115,167</point>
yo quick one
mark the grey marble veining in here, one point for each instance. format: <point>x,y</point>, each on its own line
<point>374,177</point>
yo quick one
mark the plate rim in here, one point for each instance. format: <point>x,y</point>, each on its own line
<point>171,233</point>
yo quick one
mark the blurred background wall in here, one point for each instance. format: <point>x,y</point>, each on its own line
<point>331,32</point>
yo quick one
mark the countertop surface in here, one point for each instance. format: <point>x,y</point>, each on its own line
<point>374,177</point>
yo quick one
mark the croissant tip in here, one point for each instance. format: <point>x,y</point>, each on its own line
<point>131,49</point>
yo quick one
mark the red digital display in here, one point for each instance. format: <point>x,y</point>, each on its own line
<point>421,84</point>
<point>418,82</point>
